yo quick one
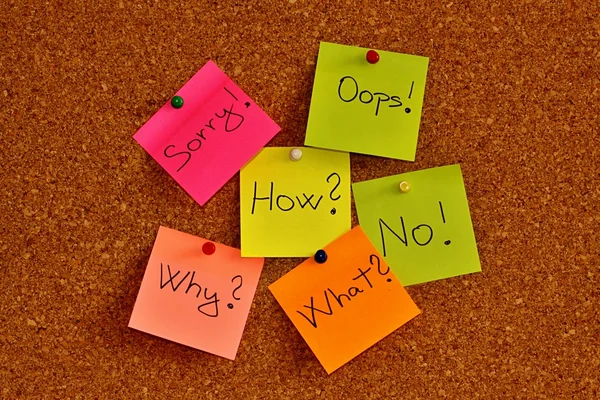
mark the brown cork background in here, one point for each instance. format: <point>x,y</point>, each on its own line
<point>513,94</point>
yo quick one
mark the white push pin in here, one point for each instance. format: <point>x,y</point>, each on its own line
<point>404,187</point>
<point>295,154</point>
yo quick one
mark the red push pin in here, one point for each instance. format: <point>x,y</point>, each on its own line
<point>372,57</point>
<point>208,248</point>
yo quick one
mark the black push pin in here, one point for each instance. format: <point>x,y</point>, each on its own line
<point>320,256</point>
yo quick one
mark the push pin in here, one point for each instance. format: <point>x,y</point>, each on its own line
<point>320,256</point>
<point>404,187</point>
<point>208,248</point>
<point>372,57</point>
<point>295,154</point>
<point>177,101</point>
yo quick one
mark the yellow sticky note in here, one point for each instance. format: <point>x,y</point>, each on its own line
<point>424,234</point>
<point>293,208</point>
<point>347,304</point>
<point>195,296</point>
<point>367,108</point>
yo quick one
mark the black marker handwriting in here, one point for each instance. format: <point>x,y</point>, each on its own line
<point>232,121</point>
<point>285,202</point>
<point>362,283</point>
<point>422,234</point>
<point>348,90</point>
<point>210,299</point>
<point>339,180</point>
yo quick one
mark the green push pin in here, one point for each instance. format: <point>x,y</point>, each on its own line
<point>177,101</point>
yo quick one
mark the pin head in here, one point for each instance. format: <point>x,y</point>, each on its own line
<point>372,57</point>
<point>177,101</point>
<point>208,248</point>
<point>295,154</point>
<point>404,187</point>
<point>320,256</point>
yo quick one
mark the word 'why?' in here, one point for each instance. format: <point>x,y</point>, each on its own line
<point>210,308</point>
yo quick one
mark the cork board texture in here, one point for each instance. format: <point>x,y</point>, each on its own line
<point>513,94</point>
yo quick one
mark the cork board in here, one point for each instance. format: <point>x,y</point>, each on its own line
<point>513,94</point>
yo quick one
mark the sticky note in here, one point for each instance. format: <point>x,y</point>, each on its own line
<point>196,299</point>
<point>425,234</point>
<point>347,304</point>
<point>206,141</point>
<point>366,108</point>
<point>293,208</point>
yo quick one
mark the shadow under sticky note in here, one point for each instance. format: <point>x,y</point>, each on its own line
<point>293,208</point>
<point>367,108</point>
<point>205,142</point>
<point>196,299</point>
<point>425,234</point>
<point>346,305</point>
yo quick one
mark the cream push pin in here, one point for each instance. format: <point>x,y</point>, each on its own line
<point>404,187</point>
<point>295,154</point>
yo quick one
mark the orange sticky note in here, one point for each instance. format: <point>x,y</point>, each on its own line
<point>347,304</point>
<point>196,299</point>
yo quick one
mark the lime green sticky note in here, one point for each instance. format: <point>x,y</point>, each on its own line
<point>367,108</point>
<point>424,234</point>
<point>294,208</point>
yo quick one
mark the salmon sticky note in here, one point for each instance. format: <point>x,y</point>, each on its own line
<point>293,208</point>
<point>367,108</point>
<point>196,299</point>
<point>425,234</point>
<point>347,304</point>
<point>205,142</point>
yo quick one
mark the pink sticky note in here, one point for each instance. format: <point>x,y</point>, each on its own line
<point>196,299</point>
<point>205,142</point>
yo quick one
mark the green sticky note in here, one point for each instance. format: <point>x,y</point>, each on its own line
<point>425,234</point>
<point>294,208</point>
<point>367,108</point>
